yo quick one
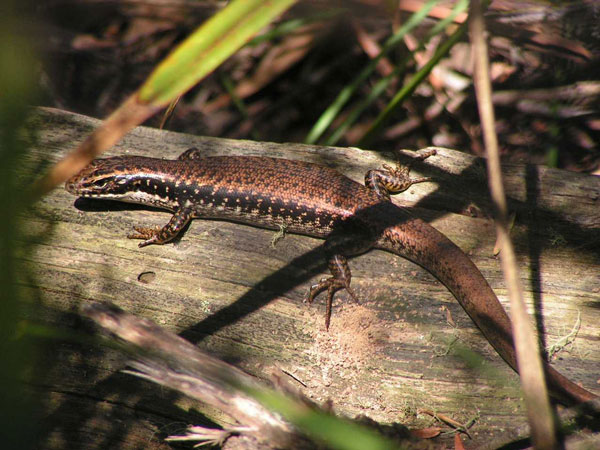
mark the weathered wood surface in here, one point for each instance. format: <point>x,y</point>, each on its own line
<point>226,288</point>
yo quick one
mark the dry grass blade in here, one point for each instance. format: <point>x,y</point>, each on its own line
<point>130,114</point>
<point>203,51</point>
<point>529,361</point>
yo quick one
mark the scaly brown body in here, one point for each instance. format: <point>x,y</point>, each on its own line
<point>312,200</point>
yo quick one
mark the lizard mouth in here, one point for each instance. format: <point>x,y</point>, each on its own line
<point>71,186</point>
<point>87,186</point>
<point>75,187</point>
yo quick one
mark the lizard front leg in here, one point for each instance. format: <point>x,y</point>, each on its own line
<point>159,235</point>
<point>393,180</point>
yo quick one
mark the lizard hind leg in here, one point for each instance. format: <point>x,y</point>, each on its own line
<point>338,266</point>
<point>338,246</point>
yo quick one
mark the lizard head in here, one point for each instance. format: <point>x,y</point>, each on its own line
<point>134,179</point>
<point>104,178</point>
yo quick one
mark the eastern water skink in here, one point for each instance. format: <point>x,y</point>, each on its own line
<point>312,200</point>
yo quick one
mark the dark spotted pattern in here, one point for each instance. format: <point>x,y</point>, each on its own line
<point>306,198</point>
<point>313,200</point>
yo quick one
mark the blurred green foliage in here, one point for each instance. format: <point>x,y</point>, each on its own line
<point>17,406</point>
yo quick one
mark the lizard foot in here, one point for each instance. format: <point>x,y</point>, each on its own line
<point>150,235</point>
<point>331,285</point>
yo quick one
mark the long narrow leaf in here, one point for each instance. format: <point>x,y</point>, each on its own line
<point>333,110</point>
<point>409,87</point>
<point>217,39</point>
<point>380,87</point>
<point>335,432</point>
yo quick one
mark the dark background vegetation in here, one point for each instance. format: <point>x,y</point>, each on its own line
<point>544,57</point>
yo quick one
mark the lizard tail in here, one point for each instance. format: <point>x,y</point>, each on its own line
<point>419,242</point>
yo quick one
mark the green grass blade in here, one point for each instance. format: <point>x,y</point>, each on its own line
<point>383,84</point>
<point>217,39</point>
<point>409,87</point>
<point>239,104</point>
<point>289,26</point>
<point>333,110</point>
<point>335,432</point>
<point>375,93</point>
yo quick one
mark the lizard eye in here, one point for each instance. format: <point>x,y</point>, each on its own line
<point>100,183</point>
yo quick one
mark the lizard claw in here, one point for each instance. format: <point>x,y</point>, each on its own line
<point>331,285</point>
<point>150,235</point>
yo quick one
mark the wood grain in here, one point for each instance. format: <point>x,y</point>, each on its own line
<point>226,288</point>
